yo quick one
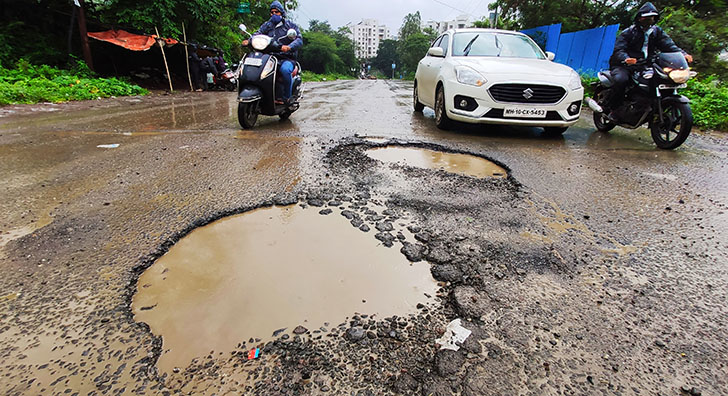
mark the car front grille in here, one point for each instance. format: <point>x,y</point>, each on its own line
<point>498,113</point>
<point>526,93</point>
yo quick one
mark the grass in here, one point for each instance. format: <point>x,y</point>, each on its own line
<point>28,83</point>
<point>313,77</point>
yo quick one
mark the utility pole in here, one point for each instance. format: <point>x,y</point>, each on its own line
<point>84,34</point>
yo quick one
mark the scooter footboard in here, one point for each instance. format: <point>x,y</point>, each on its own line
<point>249,93</point>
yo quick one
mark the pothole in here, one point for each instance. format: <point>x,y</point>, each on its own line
<point>462,164</point>
<point>251,275</point>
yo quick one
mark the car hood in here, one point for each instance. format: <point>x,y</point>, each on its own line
<point>514,67</point>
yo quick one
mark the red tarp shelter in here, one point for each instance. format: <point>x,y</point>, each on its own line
<point>134,42</point>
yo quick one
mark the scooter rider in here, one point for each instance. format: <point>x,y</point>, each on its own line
<point>639,41</point>
<point>277,27</point>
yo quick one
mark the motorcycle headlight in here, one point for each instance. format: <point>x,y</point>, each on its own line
<point>268,69</point>
<point>260,42</point>
<point>679,76</point>
<point>467,75</point>
<point>574,81</point>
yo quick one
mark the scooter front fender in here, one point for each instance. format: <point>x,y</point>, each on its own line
<point>249,93</point>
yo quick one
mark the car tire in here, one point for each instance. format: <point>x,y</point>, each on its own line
<point>441,119</point>
<point>554,131</point>
<point>418,107</point>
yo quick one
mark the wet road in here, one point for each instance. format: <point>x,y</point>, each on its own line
<point>597,267</point>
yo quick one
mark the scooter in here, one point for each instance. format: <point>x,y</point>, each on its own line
<point>259,82</point>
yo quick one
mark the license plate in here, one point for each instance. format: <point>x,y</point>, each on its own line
<point>253,61</point>
<point>524,112</point>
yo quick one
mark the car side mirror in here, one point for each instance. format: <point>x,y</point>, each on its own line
<point>550,55</point>
<point>291,34</point>
<point>436,51</point>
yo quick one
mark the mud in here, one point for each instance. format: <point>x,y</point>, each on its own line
<point>461,164</point>
<point>594,267</point>
<point>261,274</point>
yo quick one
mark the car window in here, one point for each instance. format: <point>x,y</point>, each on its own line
<point>444,44</point>
<point>436,43</point>
<point>495,44</point>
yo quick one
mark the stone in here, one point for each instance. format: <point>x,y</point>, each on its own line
<point>448,362</point>
<point>470,303</point>
<point>354,334</point>
<point>413,251</point>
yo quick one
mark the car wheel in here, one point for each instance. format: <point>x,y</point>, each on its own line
<point>441,119</point>
<point>554,131</point>
<point>416,101</point>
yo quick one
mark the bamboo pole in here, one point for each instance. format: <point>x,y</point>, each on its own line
<point>164,57</point>
<point>187,56</point>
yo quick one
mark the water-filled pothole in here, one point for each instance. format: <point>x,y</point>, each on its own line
<point>463,164</point>
<point>249,275</point>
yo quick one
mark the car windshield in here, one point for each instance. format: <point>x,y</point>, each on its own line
<point>495,44</point>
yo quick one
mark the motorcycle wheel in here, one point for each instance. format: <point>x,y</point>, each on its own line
<point>602,122</point>
<point>675,127</point>
<point>247,114</point>
<point>418,107</point>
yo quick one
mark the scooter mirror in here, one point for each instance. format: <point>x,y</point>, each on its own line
<point>243,28</point>
<point>291,34</point>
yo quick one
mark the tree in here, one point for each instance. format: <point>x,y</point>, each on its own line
<point>410,25</point>
<point>411,50</point>
<point>386,55</point>
<point>319,53</point>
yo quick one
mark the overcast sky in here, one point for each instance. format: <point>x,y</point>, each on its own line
<point>387,12</point>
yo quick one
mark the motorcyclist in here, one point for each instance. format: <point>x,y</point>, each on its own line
<point>639,41</point>
<point>277,27</point>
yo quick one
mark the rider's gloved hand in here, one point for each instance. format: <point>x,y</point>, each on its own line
<point>245,43</point>
<point>630,61</point>
<point>689,58</point>
<point>285,48</point>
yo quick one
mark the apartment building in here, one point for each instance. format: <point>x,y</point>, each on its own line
<point>462,21</point>
<point>366,36</point>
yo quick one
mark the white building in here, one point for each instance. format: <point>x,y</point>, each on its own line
<point>462,21</point>
<point>366,36</point>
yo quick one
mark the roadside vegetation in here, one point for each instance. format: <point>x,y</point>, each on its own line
<point>307,76</point>
<point>27,83</point>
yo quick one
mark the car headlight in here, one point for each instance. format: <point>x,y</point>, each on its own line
<point>268,69</point>
<point>467,75</point>
<point>574,81</point>
<point>260,42</point>
<point>679,76</point>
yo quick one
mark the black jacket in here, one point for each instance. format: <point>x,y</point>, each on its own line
<point>629,43</point>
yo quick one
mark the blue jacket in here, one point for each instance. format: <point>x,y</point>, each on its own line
<point>279,32</point>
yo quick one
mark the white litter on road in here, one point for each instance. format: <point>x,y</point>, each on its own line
<point>115,145</point>
<point>455,335</point>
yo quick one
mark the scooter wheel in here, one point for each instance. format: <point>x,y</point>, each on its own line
<point>247,115</point>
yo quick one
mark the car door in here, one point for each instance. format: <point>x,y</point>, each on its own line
<point>427,76</point>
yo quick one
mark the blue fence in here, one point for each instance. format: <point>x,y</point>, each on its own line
<point>586,51</point>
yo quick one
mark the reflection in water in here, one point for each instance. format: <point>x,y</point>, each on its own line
<point>249,275</point>
<point>462,164</point>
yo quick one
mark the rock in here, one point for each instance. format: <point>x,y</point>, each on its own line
<point>354,334</point>
<point>448,362</point>
<point>423,236</point>
<point>325,211</point>
<point>660,344</point>
<point>385,237</point>
<point>385,226</point>
<point>437,389</point>
<point>414,229</point>
<point>300,330</point>
<point>405,383</point>
<point>470,303</point>
<point>348,214</point>
<point>413,251</point>
<point>438,255</point>
<point>446,273</point>
<point>357,222</point>
<point>334,203</point>
<point>364,228</point>
<point>316,202</point>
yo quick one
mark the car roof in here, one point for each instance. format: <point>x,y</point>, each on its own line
<point>470,30</point>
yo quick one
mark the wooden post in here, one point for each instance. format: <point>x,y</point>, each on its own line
<point>164,57</point>
<point>187,57</point>
<point>84,35</point>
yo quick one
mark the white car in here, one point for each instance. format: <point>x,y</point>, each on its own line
<point>496,77</point>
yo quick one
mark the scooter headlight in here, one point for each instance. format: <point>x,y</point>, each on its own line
<point>260,42</point>
<point>678,76</point>
<point>268,69</point>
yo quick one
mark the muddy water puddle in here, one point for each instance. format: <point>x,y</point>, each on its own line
<point>462,164</point>
<point>249,275</point>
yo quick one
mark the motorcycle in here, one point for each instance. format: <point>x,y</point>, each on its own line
<point>227,80</point>
<point>651,97</point>
<point>259,82</point>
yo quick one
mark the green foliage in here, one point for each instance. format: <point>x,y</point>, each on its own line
<point>386,55</point>
<point>410,25</point>
<point>308,76</point>
<point>411,50</point>
<point>709,102</point>
<point>326,50</point>
<point>27,83</point>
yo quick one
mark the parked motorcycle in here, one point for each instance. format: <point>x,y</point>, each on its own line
<point>259,81</point>
<point>227,80</point>
<point>651,97</point>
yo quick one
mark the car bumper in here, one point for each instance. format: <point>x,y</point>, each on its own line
<point>489,111</point>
